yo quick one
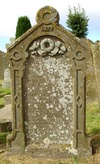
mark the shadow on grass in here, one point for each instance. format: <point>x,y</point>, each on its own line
<point>95,143</point>
<point>96,131</point>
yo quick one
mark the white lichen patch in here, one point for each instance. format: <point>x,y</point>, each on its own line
<point>47,142</point>
<point>54,95</point>
<point>35,106</point>
<point>51,106</point>
<point>34,127</point>
<point>67,118</point>
<point>45,117</point>
<point>73,151</point>
<point>26,123</point>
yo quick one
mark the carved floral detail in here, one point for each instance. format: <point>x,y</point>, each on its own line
<point>47,47</point>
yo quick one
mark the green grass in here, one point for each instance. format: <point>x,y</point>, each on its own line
<point>1,102</point>
<point>3,137</point>
<point>4,91</point>
<point>93,118</point>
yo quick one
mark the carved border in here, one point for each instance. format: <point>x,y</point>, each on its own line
<point>79,64</point>
<point>17,64</point>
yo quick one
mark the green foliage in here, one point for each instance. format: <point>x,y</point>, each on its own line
<point>3,137</point>
<point>93,118</point>
<point>4,91</point>
<point>77,22</point>
<point>23,25</point>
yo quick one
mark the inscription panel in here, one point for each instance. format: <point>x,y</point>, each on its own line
<point>48,100</point>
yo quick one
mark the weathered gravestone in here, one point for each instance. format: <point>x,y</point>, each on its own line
<point>7,81</point>
<point>3,64</point>
<point>48,69</point>
<point>96,59</point>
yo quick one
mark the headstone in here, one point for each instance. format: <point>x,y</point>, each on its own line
<point>3,64</point>
<point>12,40</point>
<point>48,71</point>
<point>7,81</point>
<point>96,59</point>
<point>91,87</point>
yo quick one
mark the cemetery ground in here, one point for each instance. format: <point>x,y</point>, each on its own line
<point>92,129</point>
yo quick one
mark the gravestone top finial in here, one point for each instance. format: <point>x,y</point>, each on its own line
<point>47,15</point>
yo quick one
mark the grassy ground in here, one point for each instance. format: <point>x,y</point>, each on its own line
<point>25,159</point>
<point>93,118</point>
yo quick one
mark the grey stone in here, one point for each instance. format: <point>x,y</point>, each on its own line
<point>6,114</point>
<point>96,59</point>
<point>7,99</point>
<point>6,119</point>
<point>7,81</point>
<point>3,64</point>
<point>48,72</point>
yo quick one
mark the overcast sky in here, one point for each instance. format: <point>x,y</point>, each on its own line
<point>10,10</point>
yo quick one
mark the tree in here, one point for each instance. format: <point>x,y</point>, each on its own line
<point>78,22</point>
<point>23,24</point>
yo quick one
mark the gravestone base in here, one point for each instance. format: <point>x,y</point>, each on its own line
<point>84,152</point>
<point>56,151</point>
<point>15,151</point>
<point>6,84</point>
<point>52,151</point>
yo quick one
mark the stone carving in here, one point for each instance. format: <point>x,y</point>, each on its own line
<point>48,70</point>
<point>47,47</point>
<point>47,15</point>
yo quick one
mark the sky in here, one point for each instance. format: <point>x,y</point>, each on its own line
<point>11,10</point>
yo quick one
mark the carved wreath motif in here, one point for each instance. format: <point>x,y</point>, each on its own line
<point>47,47</point>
